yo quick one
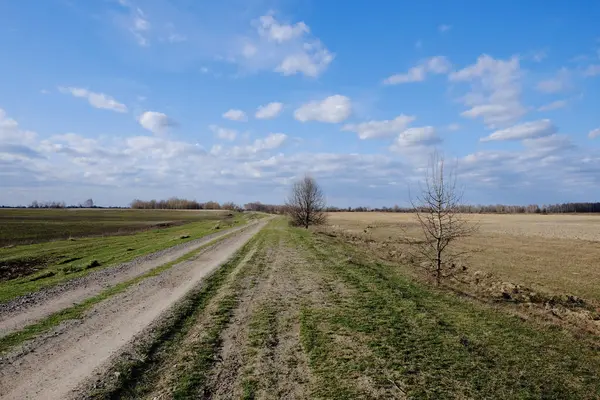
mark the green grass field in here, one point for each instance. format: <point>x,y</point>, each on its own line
<point>27,226</point>
<point>27,268</point>
<point>325,321</point>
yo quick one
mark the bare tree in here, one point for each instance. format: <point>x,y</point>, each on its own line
<point>306,203</point>
<point>437,210</point>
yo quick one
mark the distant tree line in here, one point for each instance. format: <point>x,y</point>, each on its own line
<point>266,208</point>
<point>491,209</point>
<point>175,203</point>
<point>89,203</point>
<point>183,204</point>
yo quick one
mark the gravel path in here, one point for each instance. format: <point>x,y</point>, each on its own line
<point>55,368</point>
<point>33,307</point>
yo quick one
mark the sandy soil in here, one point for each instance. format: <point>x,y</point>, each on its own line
<point>59,363</point>
<point>25,310</point>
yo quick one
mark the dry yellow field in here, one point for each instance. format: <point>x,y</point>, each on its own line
<point>553,253</point>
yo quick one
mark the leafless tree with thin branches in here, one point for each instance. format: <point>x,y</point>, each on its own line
<point>437,210</point>
<point>306,203</point>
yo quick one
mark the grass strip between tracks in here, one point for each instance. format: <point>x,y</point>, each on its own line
<point>134,376</point>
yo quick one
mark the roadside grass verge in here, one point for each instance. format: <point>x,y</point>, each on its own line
<point>76,312</point>
<point>46,264</point>
<point>388,335</point>
<point>209,307</point>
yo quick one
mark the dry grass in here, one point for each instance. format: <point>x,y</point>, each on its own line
<point>552,253</point>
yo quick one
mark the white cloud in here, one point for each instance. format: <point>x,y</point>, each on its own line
<point>136,23</point>
<point>556,84</point>
<point>438,65</point>
<point>434,65</point>
<point>594,133</point>
<point>548,144</point>
<point>156,122</point>
<point>379,129</point>
<point>444,28</point>
<point>271,29</point>
<point>422,136</point>
<point>270,142</point>
<point>289,49</point>
<point>235,115</point>
<point>139,27</point>
<point>44,91</point>
<point>333,109</point>
<point>269,111</point>
<point>97,100</point>
<point>527,130</point>
<point>114,170</point>
<point>7,123</point>
<point>224,133</point>
<point>10,132</point>
<point>592,70</point>
<point>495,90</point>
<point>453,127</point>
<point>555,105</point>
<point>310,63</point>
<point>415,74</point>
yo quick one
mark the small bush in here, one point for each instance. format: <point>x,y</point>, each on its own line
<point>92,264</point>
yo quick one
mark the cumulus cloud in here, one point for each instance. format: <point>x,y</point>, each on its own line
<point>527,130</point>
<point>11,134</point>
<point>270,28</point>
<point>333,109</point>
<point>555,105</point>
<point>235,115</point>
<point>156,122</point>
<point>422,136</point>
<point>270,142</point>
<point>311,62</point>
<point>495,90</point>
<point>287,48</point>
<point>97,100</point>
<point>269,111</point>
<point>594,133</point>
<point>223,133</point>
<point>379,129</point>
<point>434,65</point>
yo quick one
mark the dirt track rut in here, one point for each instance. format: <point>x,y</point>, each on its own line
<point>61,362</point>
<point>25,310</point>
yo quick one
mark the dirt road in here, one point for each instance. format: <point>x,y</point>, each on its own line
<point>25,310</point>
<point>60,363</point>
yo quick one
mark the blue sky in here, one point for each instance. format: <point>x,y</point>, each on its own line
<point>233,100</point>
